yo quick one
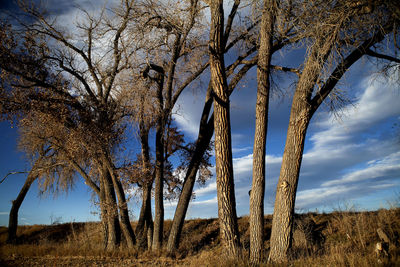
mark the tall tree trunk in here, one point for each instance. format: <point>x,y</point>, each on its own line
<point>114,229</point>
<point>260,136</point>
<point>126,226</point>
<point>300,116</point>
<point>150,230</point>
<point>103,214</point>
<point>303,108</point>
<point>282,223</point>
<point>145,213</point>
<point>223,147</point>
<point>203,140</point>
<point>16,204</point>
<point>159,181</point>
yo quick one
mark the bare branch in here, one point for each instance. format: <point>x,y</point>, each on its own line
<point>371,53</point>
<point>11,173</point>
<point>286,69</point>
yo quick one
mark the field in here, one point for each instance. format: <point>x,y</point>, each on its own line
<point>336,239</point>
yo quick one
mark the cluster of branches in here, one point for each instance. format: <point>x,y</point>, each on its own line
<point>78,95</point>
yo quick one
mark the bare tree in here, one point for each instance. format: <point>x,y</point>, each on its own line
<point>175,50</point>
<point>91,109</point>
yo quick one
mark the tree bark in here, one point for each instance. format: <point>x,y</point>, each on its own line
<point>126,226</point>
<point>303,108</point>
<point>223,147</point>
<point>300,116</point>
<point>159,180</point>
<point>203,140</point>
<point>260,136</point>
<point>145,217</point>
<point>103,214</point>
<point>114,229</point>
<point>145,213</point>
<point>16,204</point>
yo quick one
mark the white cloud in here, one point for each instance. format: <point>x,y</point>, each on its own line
<point>187,112</point>
<point>211,201</point>
<point>241,149</point>
<point>4,213</point>
<point>243,165</point>
<point>388,167</point>
<point>187,124</point>
<point>209,188</point>
<point>378,102</point>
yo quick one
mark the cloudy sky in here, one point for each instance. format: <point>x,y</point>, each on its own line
<point>352,157</point>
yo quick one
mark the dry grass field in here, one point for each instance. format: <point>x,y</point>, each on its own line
<point>335,239</point>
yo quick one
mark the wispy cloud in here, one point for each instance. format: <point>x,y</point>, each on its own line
<point>386,168</point>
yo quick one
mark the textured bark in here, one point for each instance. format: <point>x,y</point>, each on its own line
<point>223,147</point>
<point>16,204</point>
<point>145,217</point>
<point>114,229</point>
<point>303,108</point>
<point>126,226</point>
<point>260,136</point>
<point>300,116</point>
<point>103,215</point>
<point>159,180</point>
<point>150,230</point>
<point>203,140</point>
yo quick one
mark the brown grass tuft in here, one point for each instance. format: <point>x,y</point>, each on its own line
<point>343,238</point>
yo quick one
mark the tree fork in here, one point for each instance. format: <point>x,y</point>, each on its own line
<point>223,146</point>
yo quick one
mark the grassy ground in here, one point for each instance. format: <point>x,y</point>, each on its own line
<point>335,239</point>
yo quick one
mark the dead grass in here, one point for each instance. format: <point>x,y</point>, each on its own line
<point>337,239</point>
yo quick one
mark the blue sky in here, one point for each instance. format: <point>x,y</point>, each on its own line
<point>351,157</point>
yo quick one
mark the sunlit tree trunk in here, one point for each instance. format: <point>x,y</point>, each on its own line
<point>223,147</point>
<point>260,136</point>
<point>303,108</point>
<point>300,116</point>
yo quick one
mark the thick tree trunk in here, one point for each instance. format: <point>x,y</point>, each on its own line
<point>223,147</point>
<point>303,108</point>
<point>126,226</point>
<point>144,216</point>
<point>260,136</point>
<point>300,116</point>
<point>150,230</point>
<point>159,181</point>
<point>282,223</point>
<point>16,204</point>
<point>103,214</point>
<point>114,229</point>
